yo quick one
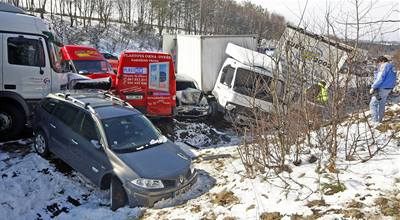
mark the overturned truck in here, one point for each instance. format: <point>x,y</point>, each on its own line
<point>308,59</point>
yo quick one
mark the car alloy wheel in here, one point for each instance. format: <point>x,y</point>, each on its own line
<point>40,143</point>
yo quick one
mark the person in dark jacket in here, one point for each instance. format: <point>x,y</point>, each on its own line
<point>384,82</point>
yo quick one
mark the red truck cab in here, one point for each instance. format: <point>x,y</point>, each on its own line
<point>147,81</point>
<point>87,61</point>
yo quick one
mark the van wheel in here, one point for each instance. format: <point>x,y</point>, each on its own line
<point>41,144</point>
<point>117,194</point>
<point>12,122</point>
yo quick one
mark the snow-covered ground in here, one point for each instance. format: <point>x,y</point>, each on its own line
<point>35,188</point>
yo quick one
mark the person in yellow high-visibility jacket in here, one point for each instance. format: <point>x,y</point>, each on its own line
<point>322,96</point>
<point>317,100</point>
<point>318,93</point>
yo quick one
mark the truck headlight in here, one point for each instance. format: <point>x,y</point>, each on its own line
<point>148,183</point>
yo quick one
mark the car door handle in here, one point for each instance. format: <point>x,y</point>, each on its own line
<point>74,142</point>
<point>53,126</point>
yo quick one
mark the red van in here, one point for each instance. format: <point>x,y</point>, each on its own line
<point>147,81</point>
<point>87,61</point>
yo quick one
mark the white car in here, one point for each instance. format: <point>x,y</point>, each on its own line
<point>190,101</point>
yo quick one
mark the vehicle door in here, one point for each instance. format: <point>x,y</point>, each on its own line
<point>159,92</point>
<point>26,63</point>
<point>223,86</point>
<point>44,118</point>
<point>131,83</point>
<point>88,153</point>
<point>252,89</point>
<point>61,133</point>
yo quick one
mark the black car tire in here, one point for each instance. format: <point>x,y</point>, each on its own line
<point>118,196</point>
<point>41,144</point>
<point>16,117</point>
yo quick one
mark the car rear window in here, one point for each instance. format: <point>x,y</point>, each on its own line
<point>66,113</point>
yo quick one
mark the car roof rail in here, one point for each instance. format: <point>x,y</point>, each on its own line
<point>114,98</point>
<point>76,101</point>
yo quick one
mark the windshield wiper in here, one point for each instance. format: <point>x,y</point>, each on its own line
<point>153,142</point>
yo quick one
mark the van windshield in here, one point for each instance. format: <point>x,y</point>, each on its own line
<point>92,66</point>
<point>255,85</point>
<point>131,133</point>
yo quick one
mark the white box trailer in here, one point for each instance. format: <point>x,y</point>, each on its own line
<point>201,57</point>
<point>314,57</point>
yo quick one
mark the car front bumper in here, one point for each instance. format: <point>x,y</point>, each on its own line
<point>192,111</point>
<point>149,198</point>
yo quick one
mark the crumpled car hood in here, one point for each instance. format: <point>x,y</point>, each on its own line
<point>191,96</point>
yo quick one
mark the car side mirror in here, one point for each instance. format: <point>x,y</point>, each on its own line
<point>96,144</point>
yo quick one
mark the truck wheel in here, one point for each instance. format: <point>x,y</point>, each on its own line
<point>117,194</point>
<point>12,122</point>
<point>41,144</point>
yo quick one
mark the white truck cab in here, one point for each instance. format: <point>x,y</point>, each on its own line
<point>29,68</point>
<point>244,84</point>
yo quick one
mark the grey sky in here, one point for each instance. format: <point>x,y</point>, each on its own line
<point>340,10</point>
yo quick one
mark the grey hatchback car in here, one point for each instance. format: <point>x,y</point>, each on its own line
<point>114,146</point>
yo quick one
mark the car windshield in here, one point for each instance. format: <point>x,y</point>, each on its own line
<point>131,133</point>
<point>92,66</point>
<point>182,85</point>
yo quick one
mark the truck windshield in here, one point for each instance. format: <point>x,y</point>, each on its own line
<point>131,133</point>
<point>92,66</point>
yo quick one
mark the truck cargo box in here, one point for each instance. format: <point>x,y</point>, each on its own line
<point>201,57</point>
<point>316,56</point>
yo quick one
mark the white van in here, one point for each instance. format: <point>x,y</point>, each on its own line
<point>30,68</point>
<point>241,90</point>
